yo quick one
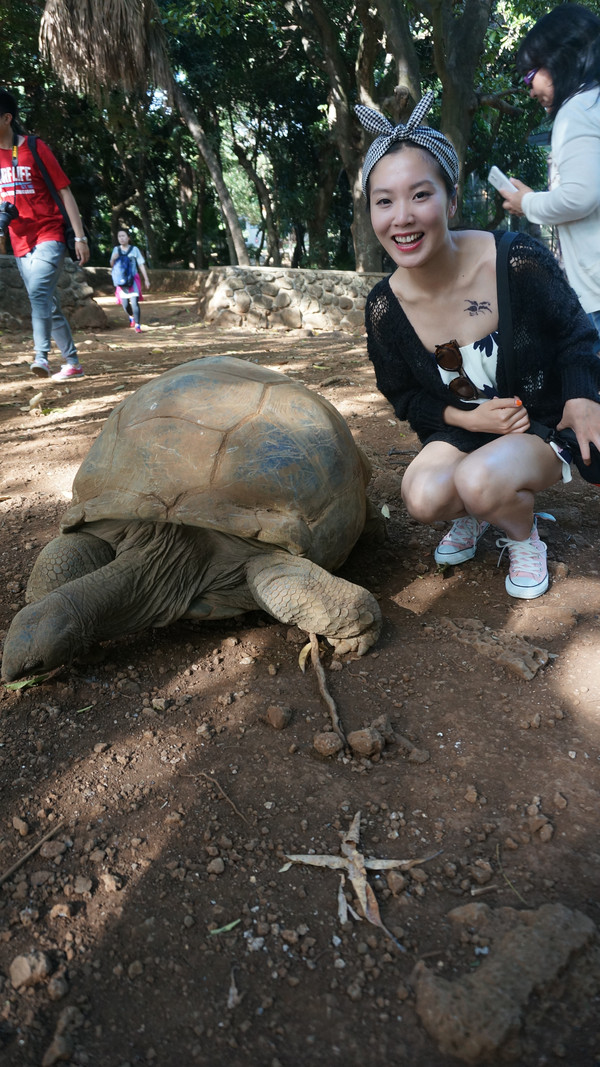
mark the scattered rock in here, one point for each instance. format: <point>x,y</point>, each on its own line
<point>58,987</point>
<point>279,716</point>
<point>473,1017</point>
<point>20,826</point>
<point>29,970</point>
<point>111,882</point>
<point>383,725</point>
<point>216,866</point>
<point>519,655</point>
<point>82,885</point>
<point>328,744</point>
<point>51,849</point>
<point>396,882</point>
<point>366,743</point>
<point>419,755</point>
<point>160,703</point>
<point>60,1050</point>
<point>546,832</point>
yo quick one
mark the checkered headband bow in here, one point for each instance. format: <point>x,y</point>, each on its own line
<point>423,136</point>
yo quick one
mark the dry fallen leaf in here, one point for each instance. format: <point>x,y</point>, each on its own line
<point>355,866</point>
<point>234,998</point>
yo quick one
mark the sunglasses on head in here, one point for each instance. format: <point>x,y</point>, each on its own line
<point>448,357</point>
<point>528,78</point>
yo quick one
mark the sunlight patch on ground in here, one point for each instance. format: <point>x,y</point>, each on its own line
<point>424,593</point>
<point>105,301</point>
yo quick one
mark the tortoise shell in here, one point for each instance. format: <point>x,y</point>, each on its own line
<point>230,446</point>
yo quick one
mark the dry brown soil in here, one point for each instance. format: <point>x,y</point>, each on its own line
<point>178,800</point>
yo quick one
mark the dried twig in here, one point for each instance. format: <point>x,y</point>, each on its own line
<point>15,867</point>
<point>506,878</point>
<point>327,697</point>
<point>213,781</point>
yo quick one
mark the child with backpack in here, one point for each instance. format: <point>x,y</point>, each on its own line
<point>127,263</point>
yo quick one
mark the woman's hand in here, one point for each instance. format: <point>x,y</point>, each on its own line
<point>502,415</point>
<point>512,201</point>
<point>582,416</point>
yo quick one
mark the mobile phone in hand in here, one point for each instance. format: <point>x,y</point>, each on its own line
<point>500,181</point>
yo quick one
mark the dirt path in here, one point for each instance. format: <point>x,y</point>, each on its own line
<point>165,929</point>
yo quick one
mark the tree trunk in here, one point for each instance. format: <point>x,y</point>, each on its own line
<point>200,265</point>
<point>151,245</point>
<point>213,166</point>
<point>457,46</point>
<point>318,26</point>
<point>273,252</point>
<point>329,169</point>
<point>299,252</point>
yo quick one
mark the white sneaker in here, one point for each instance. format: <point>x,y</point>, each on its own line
<point>527,576</point>
<point>460,543</point>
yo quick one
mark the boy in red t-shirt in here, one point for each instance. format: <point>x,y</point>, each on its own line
<point>38,238</point>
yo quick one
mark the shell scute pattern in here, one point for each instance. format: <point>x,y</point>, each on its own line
<point>231,446</point>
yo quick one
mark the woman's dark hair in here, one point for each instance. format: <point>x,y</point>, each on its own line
<point>396,147</point>
<point>566,42</point>
<point>8,105</point>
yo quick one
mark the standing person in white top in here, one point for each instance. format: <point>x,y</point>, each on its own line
<point>560,62</point>
<point>129,296</point>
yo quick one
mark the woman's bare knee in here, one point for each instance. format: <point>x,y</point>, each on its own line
<point>426,498</point>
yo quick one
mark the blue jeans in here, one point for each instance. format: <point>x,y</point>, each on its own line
<point>130,305</point>
<point>40,270</point>
<point>594,317</point>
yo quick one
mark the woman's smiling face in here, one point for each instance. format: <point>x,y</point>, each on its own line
<point>409,206</point>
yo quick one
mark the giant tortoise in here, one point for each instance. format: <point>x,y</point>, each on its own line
<point>217,488</point>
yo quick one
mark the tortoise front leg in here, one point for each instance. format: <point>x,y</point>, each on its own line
<point>63,559</point>
<point>297,591</point>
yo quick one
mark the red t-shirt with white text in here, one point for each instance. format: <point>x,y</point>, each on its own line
<point>39,218</point>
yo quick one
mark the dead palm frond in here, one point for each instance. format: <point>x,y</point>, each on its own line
<point>99,44</point>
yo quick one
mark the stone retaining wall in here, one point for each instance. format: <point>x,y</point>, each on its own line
<point>265,296</point>
<point>162,280</point>
<point>281,297</point>
<point>74,293</point>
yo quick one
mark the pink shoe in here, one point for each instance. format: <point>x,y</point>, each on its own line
<point>460,543</point>
<point>67,371</point>
<point>527,576</point>
<point>138,329</point>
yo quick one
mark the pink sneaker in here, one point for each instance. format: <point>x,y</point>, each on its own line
<point>527,576</point>
<point>460,543</point>
<point>67,371</point>
<point>138,329</point>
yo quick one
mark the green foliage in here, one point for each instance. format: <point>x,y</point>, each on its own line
<point>257,76</point>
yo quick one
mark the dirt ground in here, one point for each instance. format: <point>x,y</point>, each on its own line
<point>156,924</point>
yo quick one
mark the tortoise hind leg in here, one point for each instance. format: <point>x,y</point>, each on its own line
<point>65,558</point>
<point>297,591</point>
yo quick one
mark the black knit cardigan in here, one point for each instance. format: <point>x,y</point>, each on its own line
<point>554,350</point>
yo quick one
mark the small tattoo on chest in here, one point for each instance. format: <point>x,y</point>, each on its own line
<point>477,307</point>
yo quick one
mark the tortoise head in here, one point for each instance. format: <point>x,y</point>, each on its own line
<point>41,636</point>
